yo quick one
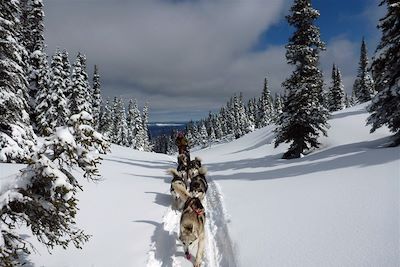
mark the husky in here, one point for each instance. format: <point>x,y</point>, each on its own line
<point>198,184</point>
<point>178,189</point>
<point>193,167</point>
<point>192,228</point>
<point>182,162</point>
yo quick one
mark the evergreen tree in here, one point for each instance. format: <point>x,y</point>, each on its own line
<point>304,116</point>
<point>47,203</point>
<point>42,101</point>
<point>121,128</point>
<point>145,120</point>
<point>96,97</point>
<point>336,92</point>
<point>16,134</point>
<point>67,74</point>
<point>33,39</point>
<point>81,97</point>
<point>385,106</point>
<point>277,107</point>
<point>363,85</point>
<point>106,120</point>
<point>57,113</point>
<point>265,106</point>
<point>203,135</point>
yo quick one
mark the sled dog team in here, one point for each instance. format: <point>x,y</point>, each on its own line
<point>188,189</point>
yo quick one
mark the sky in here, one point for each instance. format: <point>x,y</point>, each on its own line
<point>188,57</point>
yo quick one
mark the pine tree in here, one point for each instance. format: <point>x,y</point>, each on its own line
<point>42,101</point>
<point>121,128</point>
<point>16,134</point>
<point>106,120</point>
<point>363,85</point>
<point>80,89</point>
<point>145,120</point>
<point>57,113</point>
<point>96,103</point>
<point>336,93</point>
<point>385,106</point>
<point>304,116</point>
<point>67,74</point>
<point>203,135</point>
<point>265,106</point>
<point>47,202</point>
<point>33,39</point>
<point>277,107</point>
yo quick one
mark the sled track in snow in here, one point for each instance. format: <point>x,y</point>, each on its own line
<point>219,246</point>
<point>166,250</point>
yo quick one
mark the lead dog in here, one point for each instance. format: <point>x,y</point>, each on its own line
<point>192,228</point>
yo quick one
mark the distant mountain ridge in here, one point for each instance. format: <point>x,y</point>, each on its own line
<point>160,128</point>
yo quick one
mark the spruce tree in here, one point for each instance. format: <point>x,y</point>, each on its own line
<point>67,74</point>
<point>385,106</point>
<point>304,116</point>
<point>121,137</point>
<point>96,99</point>
<point>42,125</point>
<point>145,120</point>
<point>80,89</point>
<point>106,120</point>
<point>336,93</point>
<point>16,134</point>
<point>265,106</point>
<point>33,39</point>
<point>363,85</point>
<point>57,113</point>
<point>277,107</point>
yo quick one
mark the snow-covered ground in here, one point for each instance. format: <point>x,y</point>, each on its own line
<point>338,206</point>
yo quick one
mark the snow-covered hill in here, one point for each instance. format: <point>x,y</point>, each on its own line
<point>338,206</point>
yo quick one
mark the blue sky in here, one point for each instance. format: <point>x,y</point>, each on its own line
<point>187,57</point>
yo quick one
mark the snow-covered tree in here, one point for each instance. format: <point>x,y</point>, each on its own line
<point>145,121</point>
<point>304,116</point>
<point>57,113</point>
<point>120,126</point>
<point>277,107</point>
<point>67,74</point>
<point>385,106</point>
<point>336,93</point>
<point>42,125</point>
<point>363,85</point>
<point>16,134</point>
<point>106,120</point>
<point>203,135</point>
<point>81,97</point>
<point>96,103</point>
<point>265,106</point>
<point>33,39</point>
<point>44,199</point>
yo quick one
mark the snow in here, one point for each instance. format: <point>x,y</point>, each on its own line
<point>337,206</point>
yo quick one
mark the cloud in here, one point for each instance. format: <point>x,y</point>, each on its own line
<point>174,54</point>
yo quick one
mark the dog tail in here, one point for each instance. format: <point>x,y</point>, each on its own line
<point>203,170</point>
<point>173,172</point>
<point>197,158</point>
<point>180,189</point>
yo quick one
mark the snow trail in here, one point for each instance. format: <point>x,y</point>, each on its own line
<point>219,249</point>
<point>166,249</point>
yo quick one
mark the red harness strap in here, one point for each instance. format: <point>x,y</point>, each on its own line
<point>199,212</point>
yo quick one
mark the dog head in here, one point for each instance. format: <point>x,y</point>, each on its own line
<point>182,159</point>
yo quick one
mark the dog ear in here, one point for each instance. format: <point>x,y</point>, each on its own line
<point>203,171</point>
<point>172,172</point>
